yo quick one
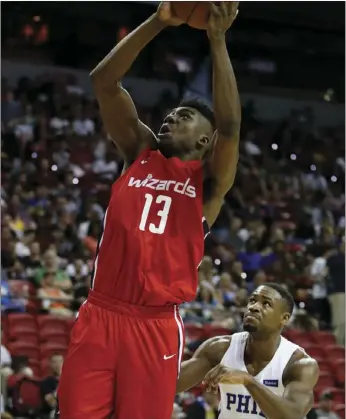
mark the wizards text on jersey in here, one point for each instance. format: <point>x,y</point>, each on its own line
<point>164,185</point>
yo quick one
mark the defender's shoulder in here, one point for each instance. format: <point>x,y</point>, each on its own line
<point>301,366</point>
<point>216,348</point>
<point>301,356</point>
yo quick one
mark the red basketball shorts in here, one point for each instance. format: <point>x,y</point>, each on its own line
<point>122,363</point>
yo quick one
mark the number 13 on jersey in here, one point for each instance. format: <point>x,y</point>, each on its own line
<point>166,202</point>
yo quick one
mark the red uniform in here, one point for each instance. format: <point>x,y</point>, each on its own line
<point>127,343</point>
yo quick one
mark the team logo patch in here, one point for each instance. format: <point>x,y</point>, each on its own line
<point>271,383</point>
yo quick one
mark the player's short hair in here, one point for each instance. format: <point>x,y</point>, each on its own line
<point>285,295</point>
<point>201,106</point>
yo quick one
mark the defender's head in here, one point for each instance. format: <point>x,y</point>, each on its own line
<point>187,132</point>
<point>269,309</point>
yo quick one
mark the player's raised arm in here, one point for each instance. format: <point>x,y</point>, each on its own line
<point>116,106</point>
<point>227,108</point>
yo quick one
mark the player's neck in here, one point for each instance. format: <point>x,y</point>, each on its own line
<point>262,349</point>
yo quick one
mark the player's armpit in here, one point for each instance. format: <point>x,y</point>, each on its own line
<point>121,121</point>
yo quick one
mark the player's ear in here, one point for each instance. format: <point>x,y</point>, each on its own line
<point>285,319</point>
<point>203,142</point>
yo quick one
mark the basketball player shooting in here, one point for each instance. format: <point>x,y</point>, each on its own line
<point>127,343</point>
<point>259,373</point>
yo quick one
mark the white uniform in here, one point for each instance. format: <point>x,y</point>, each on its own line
<point>236,402</point>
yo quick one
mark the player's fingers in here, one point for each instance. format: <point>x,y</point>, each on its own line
<point>210,376</point>
<point>214,10</point>
<point>215,376</point>
<point>233,10</point>
<point>224,8</point>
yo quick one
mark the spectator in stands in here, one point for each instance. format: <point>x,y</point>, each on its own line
<point>318,272</point>
<point>49,384</point>
<point>204,407</point>
<point>325,407</point>
<point>177,412</point>
<point>336,291</point>
<point>20,369</point>
<point>9,301</point>
<point>5,360</point>
<point>227,290</point>
<point>50,266</point>
<point>251,259</point>
<point>54,299</point>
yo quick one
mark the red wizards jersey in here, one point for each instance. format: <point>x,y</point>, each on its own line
<point>153,233</point>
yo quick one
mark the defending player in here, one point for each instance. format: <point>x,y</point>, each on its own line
<point>260,373</point>
<point>127,343</point>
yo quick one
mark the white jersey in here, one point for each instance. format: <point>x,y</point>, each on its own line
<point>236,402</point>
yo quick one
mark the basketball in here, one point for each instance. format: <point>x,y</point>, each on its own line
<point>194,13</point>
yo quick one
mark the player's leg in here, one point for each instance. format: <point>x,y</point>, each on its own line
<point>148,368</point>
<point>86,387</point>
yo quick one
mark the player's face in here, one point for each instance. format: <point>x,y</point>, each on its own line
<point>184,131</point>
<point>265,311</point>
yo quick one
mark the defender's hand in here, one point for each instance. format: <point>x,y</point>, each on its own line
<point>221,18</point>
<point>224,375</point>
<point>165,14</point>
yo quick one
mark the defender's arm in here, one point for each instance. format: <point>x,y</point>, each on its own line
<point>298,397</point>
<point>204,359</point>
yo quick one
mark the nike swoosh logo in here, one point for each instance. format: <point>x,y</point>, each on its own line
<point>165,357</point>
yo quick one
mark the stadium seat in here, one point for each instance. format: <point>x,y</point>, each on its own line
<point>294,335</point>
<point>211,331</point>
<point>339,409</point>
<point>24,335</point>
<point>315,351</point>
<point>54,337</point>
<point>24,320</point>
<point>323,337</point>
<point>24,348</point>
<point>326,380</point>
<point>335,352</point>
<point>194,332</point>
<point>48,349</point>
<point>69,324</point>
<point>324,365</point>
<point>340,375</point>
<point>27,397</point>
<point>18,329</point>
<point>336,364</point>
<point>51,323</point>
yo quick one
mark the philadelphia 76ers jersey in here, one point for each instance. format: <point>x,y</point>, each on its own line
<point>153,233</point>
<point>236,402</point>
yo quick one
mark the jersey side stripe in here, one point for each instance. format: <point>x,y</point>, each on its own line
<point>206,230</point>
<point>94,271</point>
<point>180,325</point>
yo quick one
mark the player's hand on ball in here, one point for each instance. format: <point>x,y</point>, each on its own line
<point>224,375</point>
<point>166,15</point>
<point>221,18</point>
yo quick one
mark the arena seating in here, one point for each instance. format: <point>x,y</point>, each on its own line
<point>40,336</point>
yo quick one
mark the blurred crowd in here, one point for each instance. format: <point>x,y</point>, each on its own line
<point>284,220</point>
